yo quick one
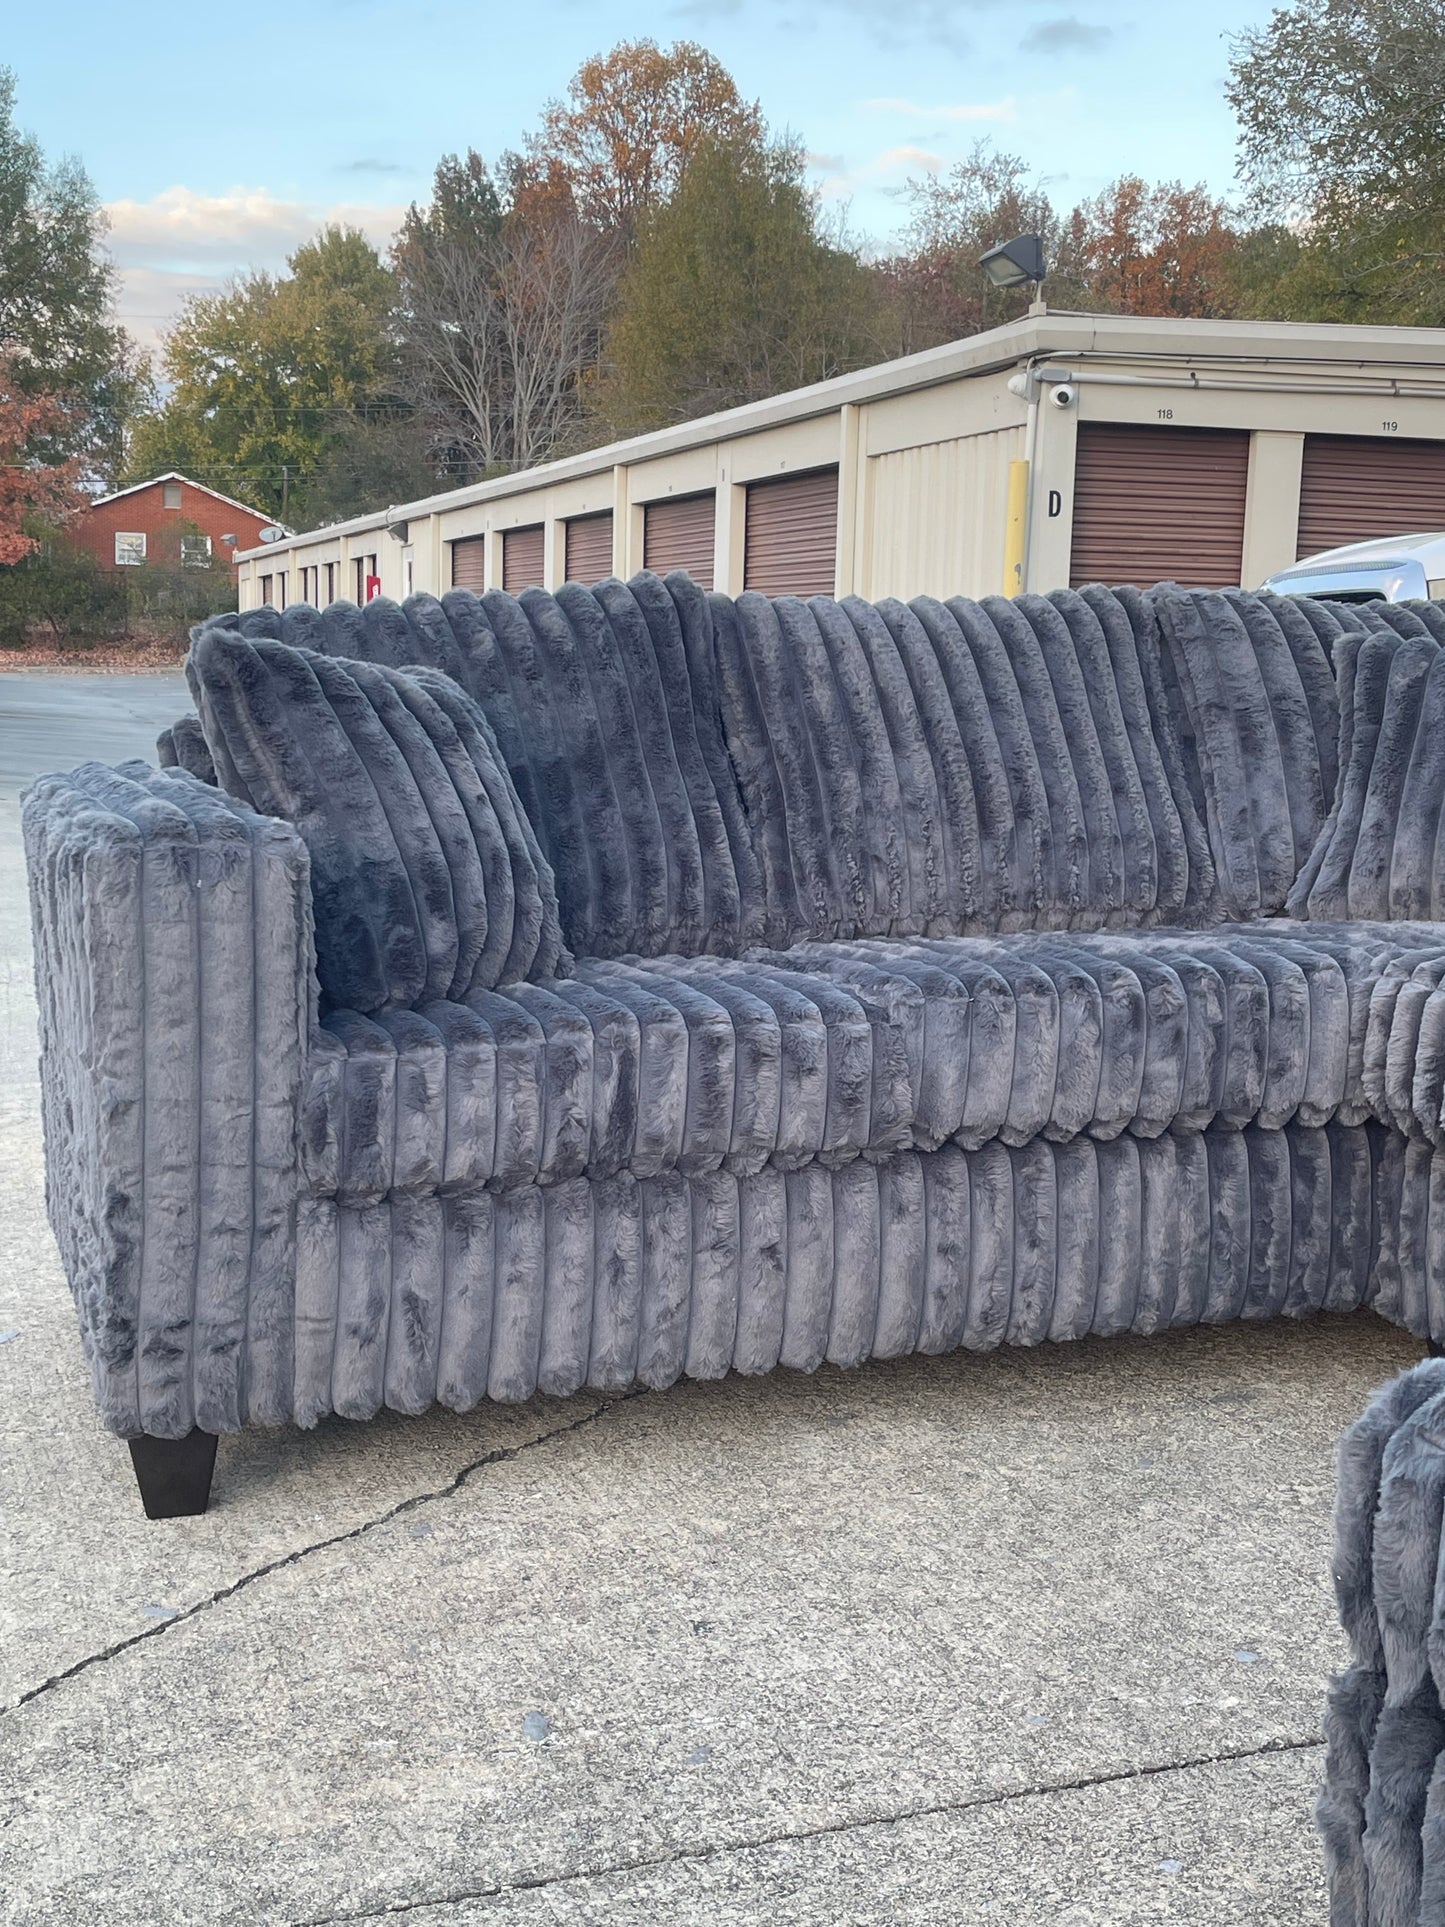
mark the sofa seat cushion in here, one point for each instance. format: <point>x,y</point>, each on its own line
<point>831,1052</point>
<point>427,877</point>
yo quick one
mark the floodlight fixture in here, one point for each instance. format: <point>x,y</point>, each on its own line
<point>1015,263</point>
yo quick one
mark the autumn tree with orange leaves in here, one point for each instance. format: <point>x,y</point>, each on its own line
<point>1166,250</point>
<point>632,121</point>
<point>34,487</point>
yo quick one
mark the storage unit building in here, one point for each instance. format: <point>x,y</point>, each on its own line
<point>1136,449</point>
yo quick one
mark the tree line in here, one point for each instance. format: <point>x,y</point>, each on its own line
<point>655,252</point>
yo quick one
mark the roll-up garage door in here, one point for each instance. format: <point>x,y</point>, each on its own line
<point>469,563</point>
<point>589,547</point>
<point>1354,487</point>
<point>1159,505</point>
<point>522,554</point>
<point>792,535</point>
<point>680,535</point>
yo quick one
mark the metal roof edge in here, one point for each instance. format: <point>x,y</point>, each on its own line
<point>1048,334</point>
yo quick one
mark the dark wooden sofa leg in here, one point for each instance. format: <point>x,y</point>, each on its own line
<point>174,1475</point>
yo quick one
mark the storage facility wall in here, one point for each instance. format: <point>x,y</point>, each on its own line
<point>679,533</point>
<point>1159,504</point>
<point>938,515</point>
<point>792,535</point>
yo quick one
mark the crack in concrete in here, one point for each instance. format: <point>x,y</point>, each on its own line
<point>645,1863</point>
<point>502,1455</point>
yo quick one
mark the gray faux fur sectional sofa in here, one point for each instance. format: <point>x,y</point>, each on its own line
<point>1382,1811</point>
<point>498,995</point>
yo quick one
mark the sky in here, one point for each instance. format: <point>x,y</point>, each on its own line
<point>220,138</point>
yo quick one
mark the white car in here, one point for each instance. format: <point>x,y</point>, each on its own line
<point>1397,568</point>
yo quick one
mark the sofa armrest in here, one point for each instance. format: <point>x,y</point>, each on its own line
<point>175,969</point>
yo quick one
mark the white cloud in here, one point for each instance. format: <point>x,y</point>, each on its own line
<point>180,243</point>
<point>886,171</point>
<point>249,226</point>
<point>149,299</point>
<point>1006,109</point>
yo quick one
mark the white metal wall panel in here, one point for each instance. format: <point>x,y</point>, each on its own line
<point>937,517</point>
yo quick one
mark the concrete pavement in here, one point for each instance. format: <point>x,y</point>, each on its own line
<point>1036,1637</point>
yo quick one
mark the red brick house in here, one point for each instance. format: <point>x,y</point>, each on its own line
<point>169,521</point>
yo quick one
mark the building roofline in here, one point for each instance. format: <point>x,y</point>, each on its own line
<point>1051,333</point>
<point>175,475</point>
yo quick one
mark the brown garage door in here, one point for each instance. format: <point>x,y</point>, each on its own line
<point>680,535</point>
<point>792,535</point>
<point>1357,486</point>
<point>1159,505</point>
<point>469,563</point>
<point>522,553</point>
<point>589,547</point>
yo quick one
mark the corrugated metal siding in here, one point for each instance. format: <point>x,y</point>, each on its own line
<point>469,563</point>
<point>589,547</point>
<point>1159,505</point>
<point>792,535</point>
<point>938,516</point>
<point>1353,487</point>
<point>680,534</point>
<point>523,551</point>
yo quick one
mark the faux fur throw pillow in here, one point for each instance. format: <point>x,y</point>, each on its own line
<point>1380,855</point>
<point>427,878</point>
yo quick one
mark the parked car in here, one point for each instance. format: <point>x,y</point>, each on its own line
<point>1393,568</point>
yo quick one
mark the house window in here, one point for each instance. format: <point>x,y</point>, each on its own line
<point>130,548</point>
<point>330,582</point>
<point>171,495</point>
<point>265,591</point>
<point>281,588</point>
<point>195,551</point>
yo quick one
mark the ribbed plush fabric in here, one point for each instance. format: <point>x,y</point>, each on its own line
<point>1250,690</point>
<point>1380,852</point>
<point>428,881</point>
<point>612,1281</point>
<point>1382,1809</point>
<point>834,1051</point>
<point>183,746</point>
<point>926,994</point>
<point>174,966</point>
<point>704,773</point>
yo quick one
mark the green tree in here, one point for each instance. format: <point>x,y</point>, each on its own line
<point>1341,111</point>
<point>735,293</point>
<point>56,295</point>
<point>277,381</point>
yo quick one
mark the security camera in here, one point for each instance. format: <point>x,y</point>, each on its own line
<point>1063,395</point>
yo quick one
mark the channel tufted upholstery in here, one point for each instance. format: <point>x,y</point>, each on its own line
<point>919,976</point>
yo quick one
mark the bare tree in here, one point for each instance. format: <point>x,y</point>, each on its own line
<point>500,314</point>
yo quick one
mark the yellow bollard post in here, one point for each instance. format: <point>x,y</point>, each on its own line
<point>1015,525</point>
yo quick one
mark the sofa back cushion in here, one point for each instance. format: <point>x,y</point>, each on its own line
<point>1251,694</point>
<point>600,703</point>
<point>426,876</point>
<point>1379,854</point>
<point>956,768</point>
<point>705,774</point>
